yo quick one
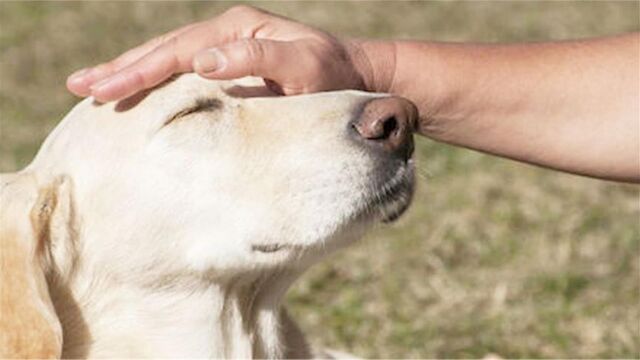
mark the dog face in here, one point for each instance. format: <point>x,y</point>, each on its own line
<point>221,178</point>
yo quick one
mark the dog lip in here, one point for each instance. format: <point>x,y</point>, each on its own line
<point>393,215</point>
<point>394,198</point>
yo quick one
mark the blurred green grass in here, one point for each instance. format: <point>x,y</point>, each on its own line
<point>494,256</point>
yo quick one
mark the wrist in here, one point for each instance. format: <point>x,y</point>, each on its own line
<point>375,63</point>
<point>435,76</point>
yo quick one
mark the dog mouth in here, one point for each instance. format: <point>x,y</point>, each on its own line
<point>396,205</point>
<point>392,199</point>
<point>387,199</point>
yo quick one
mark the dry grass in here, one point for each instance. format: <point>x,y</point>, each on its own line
<point>493,257</point>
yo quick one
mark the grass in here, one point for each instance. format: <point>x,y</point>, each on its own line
<point>494,256</point>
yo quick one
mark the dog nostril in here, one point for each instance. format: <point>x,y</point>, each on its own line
<point>389,126</point>
<point>382,128</point>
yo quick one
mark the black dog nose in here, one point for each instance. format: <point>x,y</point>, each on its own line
<point>388,123</point>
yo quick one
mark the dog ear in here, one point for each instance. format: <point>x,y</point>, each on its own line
<point>30,215</point>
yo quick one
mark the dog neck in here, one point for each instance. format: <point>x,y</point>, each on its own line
<point>236,318</point>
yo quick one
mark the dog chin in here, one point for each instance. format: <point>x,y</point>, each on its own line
<point>387,201</point>
<point>392,198</point>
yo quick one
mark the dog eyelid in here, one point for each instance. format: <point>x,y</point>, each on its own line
<point>201,105</point>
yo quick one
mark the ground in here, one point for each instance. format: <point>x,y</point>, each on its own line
<point>494,256</point>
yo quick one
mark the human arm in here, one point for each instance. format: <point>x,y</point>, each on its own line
<point>572,106</point>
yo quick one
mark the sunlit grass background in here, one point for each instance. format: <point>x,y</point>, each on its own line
<point>494,256</point>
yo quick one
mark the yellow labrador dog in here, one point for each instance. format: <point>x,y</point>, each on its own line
<point>172,224</point>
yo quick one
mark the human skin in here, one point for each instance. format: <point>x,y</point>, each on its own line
<point>572,106</point>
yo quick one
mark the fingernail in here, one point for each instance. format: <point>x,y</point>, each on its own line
<point>100,84</point>
<point>209,61</point>
<point>79,74</point>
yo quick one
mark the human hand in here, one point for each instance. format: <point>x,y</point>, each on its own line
<point>293,58</point>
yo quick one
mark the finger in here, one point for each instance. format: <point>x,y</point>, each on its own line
<point>280,61</point>
<point>171,57</point>
<point>80,82</point>
<point>176,54</point>
<point>147,72</point>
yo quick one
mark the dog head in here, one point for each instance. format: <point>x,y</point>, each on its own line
<point>217,179</point>
<point>221,177</point>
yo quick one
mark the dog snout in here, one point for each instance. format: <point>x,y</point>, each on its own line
<point>388,123</point>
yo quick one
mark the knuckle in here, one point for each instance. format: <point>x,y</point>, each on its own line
<point>244,12</point>
<point>165,57</point>
<point>240,9</point>
<point>170,48</point>
<point>254,50</point>
<point>137,80</point>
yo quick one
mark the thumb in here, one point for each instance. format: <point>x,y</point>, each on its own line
<point>257,57</point>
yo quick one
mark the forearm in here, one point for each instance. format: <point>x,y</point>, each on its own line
<point>572,106</point>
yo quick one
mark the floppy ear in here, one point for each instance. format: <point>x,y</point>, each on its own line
<point>29,213</point>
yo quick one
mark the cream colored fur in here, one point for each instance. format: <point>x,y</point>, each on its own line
<point>178,236</point>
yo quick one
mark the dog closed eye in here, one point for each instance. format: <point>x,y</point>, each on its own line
<point>267,248</point>
<point>201,105</point>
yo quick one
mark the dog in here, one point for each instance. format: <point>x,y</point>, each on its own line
<point>171,224</point>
